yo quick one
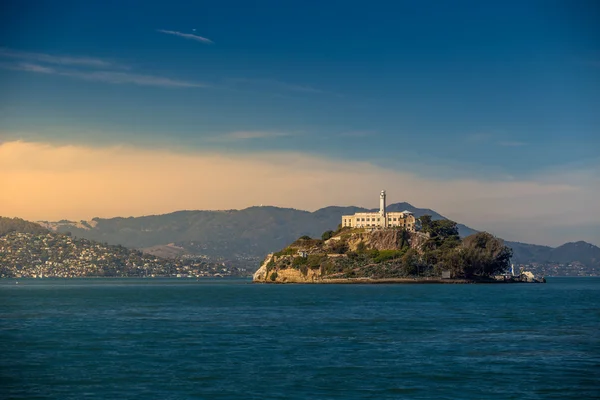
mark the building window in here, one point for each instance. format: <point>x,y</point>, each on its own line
<point>378,219</point>
<point>395,219</point>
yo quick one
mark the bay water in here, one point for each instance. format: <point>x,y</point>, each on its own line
<point>231,339</point>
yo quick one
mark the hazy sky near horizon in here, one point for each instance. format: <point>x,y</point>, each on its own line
<point>487,112</point>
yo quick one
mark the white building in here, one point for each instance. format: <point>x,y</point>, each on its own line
<point>381,219</point>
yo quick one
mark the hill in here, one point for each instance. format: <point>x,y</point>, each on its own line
<point>8,225</point>
<point>248,235</point>
<point>28,250</point>
<point>581,252</point>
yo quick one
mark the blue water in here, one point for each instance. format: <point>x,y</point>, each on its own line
<point>230,339</point>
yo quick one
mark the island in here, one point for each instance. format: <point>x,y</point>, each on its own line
<point>381,247</point>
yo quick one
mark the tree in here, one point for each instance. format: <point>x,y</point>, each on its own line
<point>327,235</point>
<point>404,238</point>
<point>485,255</point>
<point>361,247</point>
<point>338,246</point>
<point>410,262</point>
<point>425,222</point>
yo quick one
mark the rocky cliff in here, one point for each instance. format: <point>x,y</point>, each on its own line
<point>349,253</point>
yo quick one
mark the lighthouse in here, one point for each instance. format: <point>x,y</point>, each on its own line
<point>382,207</point>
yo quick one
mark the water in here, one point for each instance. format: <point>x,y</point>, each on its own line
<point>230,339</point>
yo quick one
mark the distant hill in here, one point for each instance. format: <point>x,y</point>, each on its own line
<point>251,233</point>
<point>582,252</point>
<point>8,225</point>
<point>24,254</point>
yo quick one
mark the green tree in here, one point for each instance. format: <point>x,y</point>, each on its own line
<point>338,246</point>
<point>485,255</point>
<point>425,222</point>
<point>404,238</point>
<point>410,262</point>
<point>373,253</point>
<point>327,235</point>
<point>361,247</point>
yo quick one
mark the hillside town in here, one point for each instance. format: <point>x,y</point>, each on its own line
<point>562,269</point>
<point>41,255</point>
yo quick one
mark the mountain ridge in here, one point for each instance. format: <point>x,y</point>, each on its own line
<point>253,232</point>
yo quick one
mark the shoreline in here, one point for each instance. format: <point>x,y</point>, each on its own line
<point>405,281</point>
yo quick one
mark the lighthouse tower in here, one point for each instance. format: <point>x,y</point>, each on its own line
<point>382,208</point>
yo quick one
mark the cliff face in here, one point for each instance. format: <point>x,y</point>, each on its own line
<point>383,239</point>
<point>349,253</point>
<point>276,269</point>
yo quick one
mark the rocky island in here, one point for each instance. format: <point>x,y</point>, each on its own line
<point>379,248</point>
<point>358,255</point>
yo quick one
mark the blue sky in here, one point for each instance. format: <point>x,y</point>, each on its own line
<point>494,91</point>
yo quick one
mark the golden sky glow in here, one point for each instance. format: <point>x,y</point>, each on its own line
<point>51,182</point>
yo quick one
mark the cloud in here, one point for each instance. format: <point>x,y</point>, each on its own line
<point>51,182</point>
<point>28,67</point>
<point>187,36</point>
<point>60,60</point>
<point>115,77</point>
<point>247,135</point>
<point>91,69</point>
<point>137,79</point>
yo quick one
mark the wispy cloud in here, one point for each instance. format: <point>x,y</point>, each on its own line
<point>186,36</point>
<point>59,60</point>
<point>137,79</point>
<point>115,77</point>
<point>247,135</point>
<point>28,67</point>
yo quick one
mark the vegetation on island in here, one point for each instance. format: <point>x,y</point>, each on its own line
<point>434,251</point>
